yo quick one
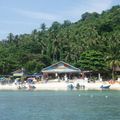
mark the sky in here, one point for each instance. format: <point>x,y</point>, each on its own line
<point>23,16</point>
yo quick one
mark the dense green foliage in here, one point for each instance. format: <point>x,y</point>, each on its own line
<point>91,43</point>
<point>92,60</point>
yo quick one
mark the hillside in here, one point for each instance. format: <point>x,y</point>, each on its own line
<point>92,43</point>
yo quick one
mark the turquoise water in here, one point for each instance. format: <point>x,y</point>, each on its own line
<point>60,105</point>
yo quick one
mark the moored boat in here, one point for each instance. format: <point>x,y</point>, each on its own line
<point>105,86</point>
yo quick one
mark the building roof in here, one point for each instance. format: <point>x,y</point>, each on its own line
<point>19,71</point>
<point>61,67</point>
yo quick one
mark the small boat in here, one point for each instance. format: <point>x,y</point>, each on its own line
<point>70,86</point>
<point>105,86</point>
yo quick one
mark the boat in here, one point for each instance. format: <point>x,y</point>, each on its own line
<point>105,86</point>
<point>70,86</point>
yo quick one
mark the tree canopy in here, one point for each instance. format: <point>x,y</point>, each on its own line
<point>90,43</point>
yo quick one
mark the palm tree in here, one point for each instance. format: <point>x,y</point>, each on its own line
<point>114,53</point>
<point>113,64</point>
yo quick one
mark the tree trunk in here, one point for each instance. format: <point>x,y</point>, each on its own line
<point>113,72</point>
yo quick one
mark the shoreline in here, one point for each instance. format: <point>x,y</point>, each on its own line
<point>60,86</point>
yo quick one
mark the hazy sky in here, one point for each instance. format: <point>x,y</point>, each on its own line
<point>22,16</point>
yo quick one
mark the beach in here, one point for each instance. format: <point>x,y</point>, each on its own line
<point>58,86</point>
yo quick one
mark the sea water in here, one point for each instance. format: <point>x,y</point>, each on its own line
<point>59,105</point>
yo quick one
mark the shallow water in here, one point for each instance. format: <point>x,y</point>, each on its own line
<point>60,105</point>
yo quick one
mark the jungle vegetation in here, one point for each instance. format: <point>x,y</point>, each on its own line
<point>92,43</point>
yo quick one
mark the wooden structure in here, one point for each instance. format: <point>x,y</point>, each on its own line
<point>19,73</point>
<point>61,71</point>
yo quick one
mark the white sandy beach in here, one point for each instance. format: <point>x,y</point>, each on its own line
<point>61,86</point>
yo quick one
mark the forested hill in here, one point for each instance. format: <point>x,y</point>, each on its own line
<point>92,43</point>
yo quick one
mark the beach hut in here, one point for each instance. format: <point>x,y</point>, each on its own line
<point>61,71</point>
<point>19,73</point>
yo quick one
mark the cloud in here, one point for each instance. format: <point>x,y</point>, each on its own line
<point>39,15</point>
<point>16,22</point>
<point>99,5</point>
<point>26,19</point>
<point>88,6</point>
<point>72,12</point>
